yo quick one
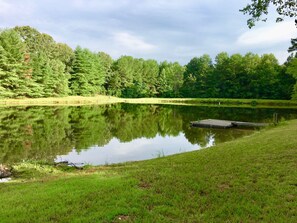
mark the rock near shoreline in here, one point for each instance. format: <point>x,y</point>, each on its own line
<point>5,171</point>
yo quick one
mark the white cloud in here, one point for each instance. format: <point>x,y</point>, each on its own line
<point>132,42</point>
<point>268,35</point>
<point>158,29</point>
<point>97,6</point>
<point>15,14</point>
<point>5,8</point>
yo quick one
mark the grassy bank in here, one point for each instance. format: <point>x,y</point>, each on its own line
<point>70,100</point>
<point>252,179</point>
<point>101,99</point>
<point>250,102</point>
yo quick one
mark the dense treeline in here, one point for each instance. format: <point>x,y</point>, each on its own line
<point>32,64</point>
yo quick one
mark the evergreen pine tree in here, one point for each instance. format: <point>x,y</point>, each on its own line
<point>87,76</point>
<point>58,82</point>
<point>14,71</point>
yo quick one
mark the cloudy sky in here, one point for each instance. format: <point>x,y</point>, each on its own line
<point>172,30</point>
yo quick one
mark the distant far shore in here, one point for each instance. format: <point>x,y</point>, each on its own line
<point>103,99</point>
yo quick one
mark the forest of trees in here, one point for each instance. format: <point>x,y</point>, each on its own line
<point>33,64</point>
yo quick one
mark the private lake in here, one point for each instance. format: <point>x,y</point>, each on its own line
<point>99,135</point>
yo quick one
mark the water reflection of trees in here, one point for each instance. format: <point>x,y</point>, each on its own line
<point>30,133</point>
<point>45,132</point>
<point>129,122</point>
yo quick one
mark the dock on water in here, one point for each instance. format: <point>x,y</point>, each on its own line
<point>224,124</point>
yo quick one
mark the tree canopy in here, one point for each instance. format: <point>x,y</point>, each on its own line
<point>33,64</point>
<point>258,10</point>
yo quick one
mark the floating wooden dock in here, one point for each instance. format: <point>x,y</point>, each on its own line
<point>224,124</point>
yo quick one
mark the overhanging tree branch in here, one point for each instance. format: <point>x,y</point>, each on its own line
<point>258,10</point>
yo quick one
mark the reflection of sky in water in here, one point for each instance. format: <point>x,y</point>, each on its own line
<point>138,149</point>
<point>4,180</point>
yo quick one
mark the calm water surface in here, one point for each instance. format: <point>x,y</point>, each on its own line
<point>116,133</point>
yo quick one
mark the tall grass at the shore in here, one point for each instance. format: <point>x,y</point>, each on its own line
<point>103,99</point>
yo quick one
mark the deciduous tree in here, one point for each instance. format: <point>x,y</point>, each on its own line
<point>258,10</point>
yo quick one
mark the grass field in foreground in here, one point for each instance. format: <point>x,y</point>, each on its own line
<point>251,179</point>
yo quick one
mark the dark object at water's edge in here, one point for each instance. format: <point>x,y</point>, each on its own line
<point>4,171</point>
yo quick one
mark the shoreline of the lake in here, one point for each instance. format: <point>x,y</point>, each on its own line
<point>103,99</point>
<point>252,179</point>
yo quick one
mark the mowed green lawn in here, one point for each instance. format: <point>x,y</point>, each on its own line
<point>252,179</point>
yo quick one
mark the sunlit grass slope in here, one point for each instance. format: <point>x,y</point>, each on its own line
<point>252,179</point>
